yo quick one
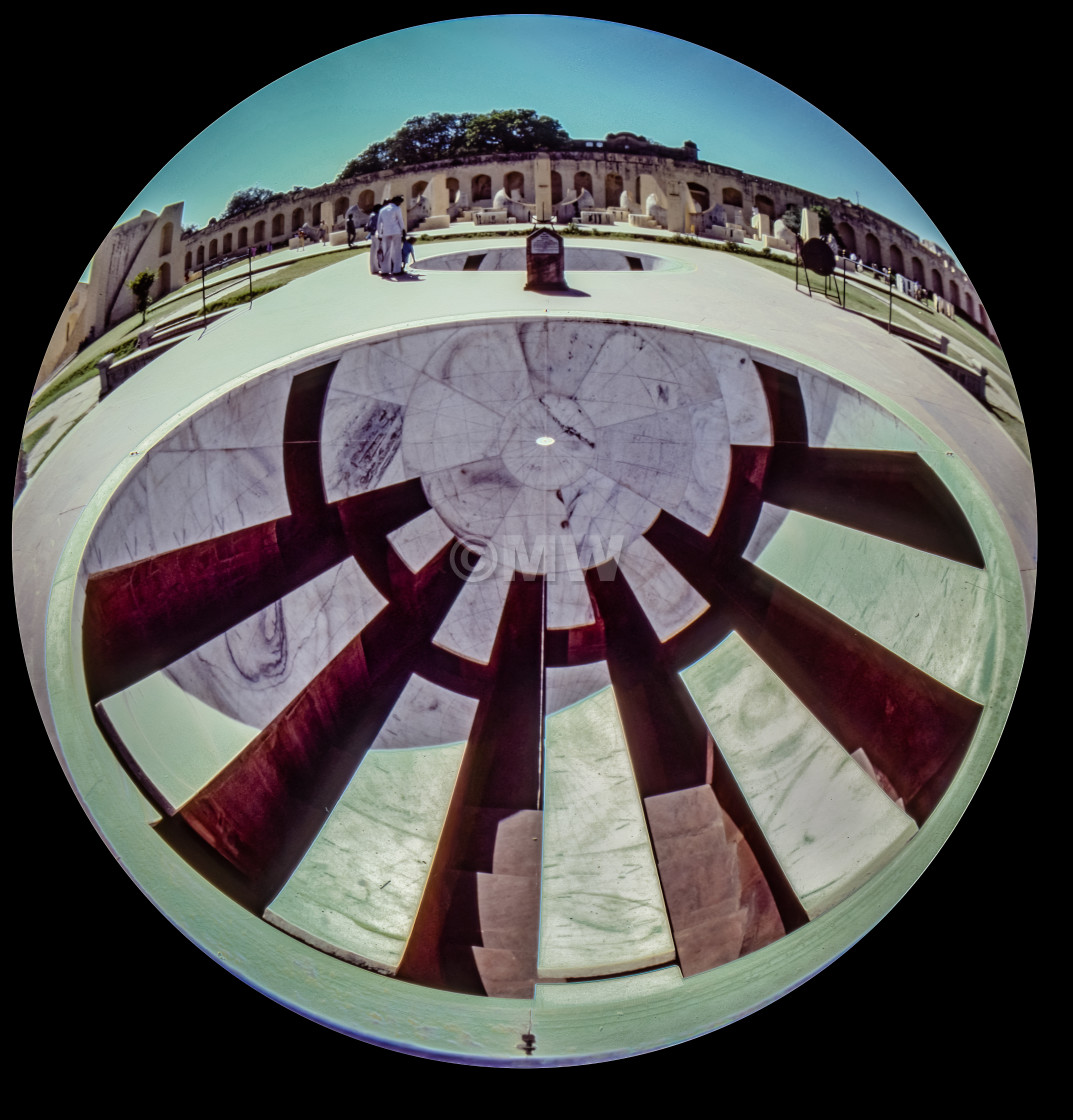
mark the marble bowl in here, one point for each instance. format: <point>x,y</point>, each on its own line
<point>534,689</point>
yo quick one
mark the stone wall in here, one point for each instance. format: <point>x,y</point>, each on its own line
<point>680,182</point>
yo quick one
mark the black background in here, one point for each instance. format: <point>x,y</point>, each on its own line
<point>953,969</point>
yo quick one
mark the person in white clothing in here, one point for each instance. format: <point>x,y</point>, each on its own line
<point>390,228</point>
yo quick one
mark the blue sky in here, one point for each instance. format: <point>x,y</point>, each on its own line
<point>594,77</point>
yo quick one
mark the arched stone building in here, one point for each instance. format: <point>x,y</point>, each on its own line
<point>682,189</point>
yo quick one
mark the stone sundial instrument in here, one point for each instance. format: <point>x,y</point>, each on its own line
<point>522,668</point>
<point>513,684</point>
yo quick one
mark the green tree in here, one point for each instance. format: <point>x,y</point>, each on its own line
<point>248,199</point>
<point>446,136</point>
<point>791,218</point>
<point>140,287</point>
<point>827,225</point>
<point>513,130</point>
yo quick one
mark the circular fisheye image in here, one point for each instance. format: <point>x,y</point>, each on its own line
<point>524,546</point>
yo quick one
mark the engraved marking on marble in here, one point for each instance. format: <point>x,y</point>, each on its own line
<point>426,714</point>
<point>444,428</point>
<point>669,601</point>
<point>421,539</point>
<point>568,603</point>
<point>472,623</point>
<point>360,439</point>
<point>933,612</point>
<point>548,462</point>
<point>176,498</point>
<point>254,670</point>
<point>356,892</point>
<point>601,904</point>
<point>829,825</point>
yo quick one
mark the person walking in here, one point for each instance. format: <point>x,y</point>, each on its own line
<point>391,229</point>
<point>351,232</point>
<point>374,239</point>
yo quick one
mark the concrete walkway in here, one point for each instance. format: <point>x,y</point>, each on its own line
<point>715,292</point>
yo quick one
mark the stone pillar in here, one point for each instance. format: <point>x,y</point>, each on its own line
<point>542,188</point>
<point>810,224</point>
<point>439,198</point>
<point>677,218</point>
<point>762,224</point>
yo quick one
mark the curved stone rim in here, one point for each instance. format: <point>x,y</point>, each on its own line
<point>484,1030</point>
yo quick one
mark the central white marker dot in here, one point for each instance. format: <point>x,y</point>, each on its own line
<point>545,441</point>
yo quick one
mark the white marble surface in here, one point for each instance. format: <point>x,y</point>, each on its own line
<point>669,602</point>
<point>567,602</point>
<point>421,539</point>
<point>555,442</point>
<point>254,670</point>
<point>601,907</point>
<point>178,498</point>
<point>472,623</point>
<point>219,471</point>
<point>830,826</point>
<point>177,740</point>
<point>356,892</point>
<point>929,610</point>
<point>840,416</point>
<point>566,685</point>
<point>360,444</point>
<point>426,714</point>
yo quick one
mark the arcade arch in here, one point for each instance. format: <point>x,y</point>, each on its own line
<point>873,254</point>
<point>613,188</point>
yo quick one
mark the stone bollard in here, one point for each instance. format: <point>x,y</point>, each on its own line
<point>103,366</point>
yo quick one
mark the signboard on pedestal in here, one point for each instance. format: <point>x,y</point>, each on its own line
<point>544,257</point>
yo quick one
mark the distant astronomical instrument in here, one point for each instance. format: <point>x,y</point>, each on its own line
<point>818,256</point>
